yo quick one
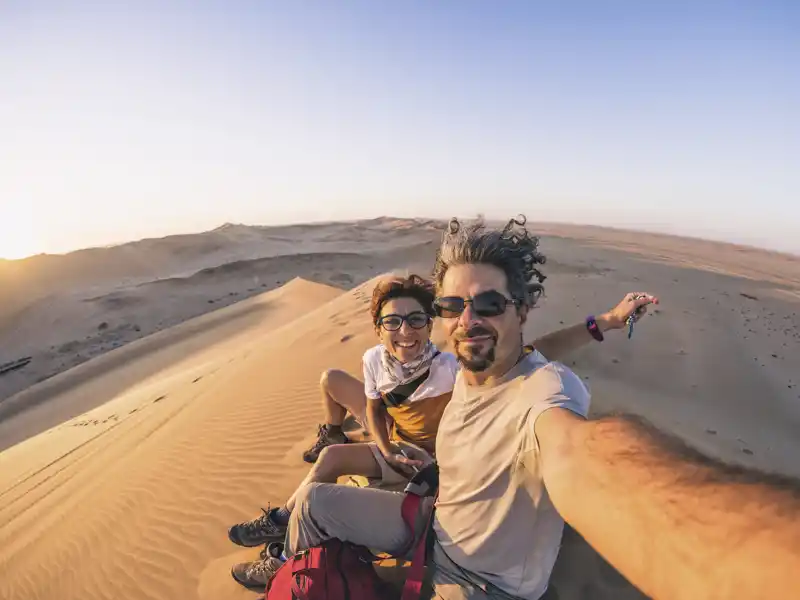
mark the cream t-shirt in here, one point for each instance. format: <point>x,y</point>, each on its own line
<point>494,516</point>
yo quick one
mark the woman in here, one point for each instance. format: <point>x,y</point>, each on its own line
<point>405,378</point>
<point>402,312</point>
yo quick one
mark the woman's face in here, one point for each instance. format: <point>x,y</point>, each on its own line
<point>407,342</point>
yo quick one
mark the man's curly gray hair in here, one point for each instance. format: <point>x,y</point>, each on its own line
<point>512,249</point>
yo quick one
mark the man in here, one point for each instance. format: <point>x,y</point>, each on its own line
<point>516,454</point>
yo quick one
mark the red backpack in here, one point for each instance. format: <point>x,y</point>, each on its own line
<point>337,570</point>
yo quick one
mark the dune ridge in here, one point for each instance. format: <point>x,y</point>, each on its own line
<point>153,487</point>
<point>77,308</point>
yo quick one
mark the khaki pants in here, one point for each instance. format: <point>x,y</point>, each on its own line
<point>372,518</point>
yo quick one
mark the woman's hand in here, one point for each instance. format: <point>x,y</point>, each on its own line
<point>403,460</point>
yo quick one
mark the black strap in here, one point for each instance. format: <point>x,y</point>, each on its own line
<point>402,392</point>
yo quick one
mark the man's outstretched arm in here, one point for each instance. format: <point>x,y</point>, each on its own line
<point>559,344</point>
<point>679,525</point>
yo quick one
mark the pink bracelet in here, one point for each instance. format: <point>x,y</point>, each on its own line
<point>594,329</point>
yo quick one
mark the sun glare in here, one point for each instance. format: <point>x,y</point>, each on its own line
<point>17,243</point>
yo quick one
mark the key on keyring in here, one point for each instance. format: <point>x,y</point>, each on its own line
<point>632,319</point>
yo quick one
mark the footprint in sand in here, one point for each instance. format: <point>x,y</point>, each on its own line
<point>747,451</point>
<point>346,337</point>
<point>711,431</point>
<point>159,399</point>
<point>198,379</point>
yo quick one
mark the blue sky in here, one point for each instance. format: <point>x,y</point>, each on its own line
<point>118,123</point>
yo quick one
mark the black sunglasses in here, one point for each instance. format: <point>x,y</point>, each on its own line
<point>415,320</point>
<point>486,304</point>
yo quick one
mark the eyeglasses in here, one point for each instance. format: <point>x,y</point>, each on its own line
<point>486,304</point>
<point>415,320</point>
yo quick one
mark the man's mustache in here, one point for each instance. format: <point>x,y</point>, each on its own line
<point>474,332</point>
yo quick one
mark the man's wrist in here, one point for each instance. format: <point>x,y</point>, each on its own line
<point>605,322</point>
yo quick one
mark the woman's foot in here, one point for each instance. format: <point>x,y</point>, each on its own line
<point>328,435</point>
<point>264,529</point>
<point>256,575</point>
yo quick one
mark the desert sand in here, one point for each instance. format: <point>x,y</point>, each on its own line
<point>124,465</point>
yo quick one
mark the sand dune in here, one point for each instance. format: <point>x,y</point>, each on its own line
<point>182,255</point>
<point>732,259</point>
<point>85,311</point>
<point>169,439</point>
<point>131,499</point>
<point>91,384</point>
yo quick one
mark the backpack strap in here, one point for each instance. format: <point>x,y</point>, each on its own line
<point>298,570</point>
<point>296,591</point>
<point>409,510</point>
<point>412,589</point>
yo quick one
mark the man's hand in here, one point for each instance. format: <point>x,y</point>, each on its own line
<point>617,317</point>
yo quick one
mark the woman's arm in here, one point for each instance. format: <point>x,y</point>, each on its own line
<point>376,411</point>
<point>378,429</point>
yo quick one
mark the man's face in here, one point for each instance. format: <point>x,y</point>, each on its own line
<point>482,343</point>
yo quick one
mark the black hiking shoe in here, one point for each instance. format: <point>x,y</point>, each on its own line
<point>324,439</point>
<point>255,575</point>
<point>260,530</point>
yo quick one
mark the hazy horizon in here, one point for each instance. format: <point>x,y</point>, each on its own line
<point>531,226</point>
<point>123,123</point>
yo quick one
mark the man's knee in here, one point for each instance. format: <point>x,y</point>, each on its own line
<point>317,508</point>
<point>305,530</point>
<point>305,496</point>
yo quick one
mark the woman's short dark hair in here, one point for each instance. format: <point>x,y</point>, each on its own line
<point>396,286</point>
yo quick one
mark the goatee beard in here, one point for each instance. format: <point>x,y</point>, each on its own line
<point>476,364</point>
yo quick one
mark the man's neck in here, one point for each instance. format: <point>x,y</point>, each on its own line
<point>491,375</point>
